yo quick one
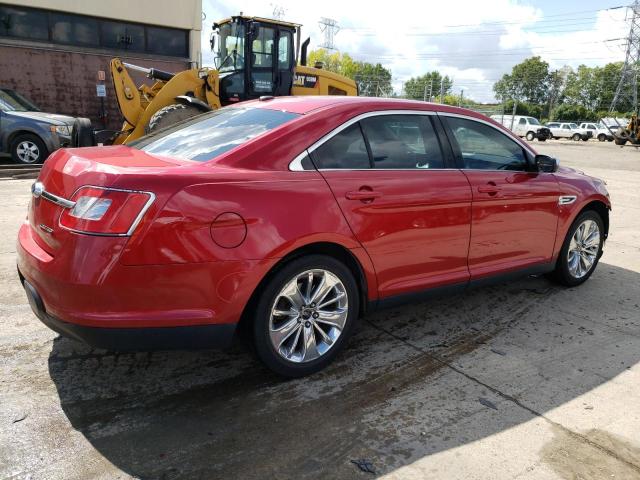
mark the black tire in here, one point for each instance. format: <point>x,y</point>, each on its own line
<point>585,139</point>
<point>576,137</point>
<point>542,139</point>
<point>561,274</point>
<point>261,318</point>
<point>34,144</point>
<point>602,137</point>
<point>530,136</point>
<point>620,141</point>
<point>610,139</point>
<point>170,115</point>
<point>82,134</point>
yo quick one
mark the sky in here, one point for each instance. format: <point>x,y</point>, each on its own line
<point>473,42</point>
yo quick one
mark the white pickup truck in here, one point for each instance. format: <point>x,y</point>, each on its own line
<point>598,130</point>
<point>568,130</point>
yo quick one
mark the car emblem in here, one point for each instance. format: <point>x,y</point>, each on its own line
<point>36,189</point>
<point>45,228</point>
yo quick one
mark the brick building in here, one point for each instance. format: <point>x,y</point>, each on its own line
<point>52,50</point>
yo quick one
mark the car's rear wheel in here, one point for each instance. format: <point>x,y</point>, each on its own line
<point>305,315</point>
<point>28,149</point>
<point>581,250</point>
<point>530,136</point>
<point>576,137</point>
<point>602,137</point>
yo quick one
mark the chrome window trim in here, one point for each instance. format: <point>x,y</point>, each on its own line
<point>296,164</point>
<point>134,225</point>
<point>297,167</point>
<point>496,127</point>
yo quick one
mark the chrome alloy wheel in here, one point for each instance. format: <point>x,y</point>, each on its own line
<point>308,316</point>
<point>583,248</point>
<point>28,151</point>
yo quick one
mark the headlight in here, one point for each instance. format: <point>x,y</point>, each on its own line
<point>61,130</point>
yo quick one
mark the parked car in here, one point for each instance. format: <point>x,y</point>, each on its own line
<point>283,220</point>
<point>598,130</point>
<point>568,130</point>
<point>523,126</point>
<point>28,134</point>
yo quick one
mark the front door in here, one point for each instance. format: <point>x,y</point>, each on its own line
<point>515,209</point>
<point>262,60</point>
<point>404,203</point>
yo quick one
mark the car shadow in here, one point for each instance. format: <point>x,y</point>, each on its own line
<point>409,385</point>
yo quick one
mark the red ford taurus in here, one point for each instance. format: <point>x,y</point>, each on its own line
<point>288,218</point>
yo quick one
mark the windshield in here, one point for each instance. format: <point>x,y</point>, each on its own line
<point>230,54</point>
<point>11,101</point>
<point>533,121</point>
<point>206,136</point>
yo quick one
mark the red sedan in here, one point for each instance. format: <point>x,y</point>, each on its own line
<point>288,218</point>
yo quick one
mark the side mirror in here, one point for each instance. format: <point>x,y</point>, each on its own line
<point>212,41</point>
<point>546,164</point>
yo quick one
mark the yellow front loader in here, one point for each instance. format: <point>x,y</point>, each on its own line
<point>255,57</point>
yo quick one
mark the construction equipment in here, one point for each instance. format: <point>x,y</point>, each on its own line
<point>256,57</point>
<point>629,133</point>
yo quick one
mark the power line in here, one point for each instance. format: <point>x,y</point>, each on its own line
<point>329,27</point>
<point>628,86</point>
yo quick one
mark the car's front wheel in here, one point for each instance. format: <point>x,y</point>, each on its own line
<point>530,136</point>
<point>305,315</point>
<point>581,249</point>
<point>602,137</point>
<point>28,149</point>
<point>576,137</point>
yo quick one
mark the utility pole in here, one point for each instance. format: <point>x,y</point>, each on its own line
<point>513,114</point>
<point>330,28</point>
<point>461,95</point>
<point>627,89</point>
<point>441,89</point>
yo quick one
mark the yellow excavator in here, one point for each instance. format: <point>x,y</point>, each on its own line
<point>255,57</point>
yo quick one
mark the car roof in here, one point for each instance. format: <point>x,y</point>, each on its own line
<point>306,104</point>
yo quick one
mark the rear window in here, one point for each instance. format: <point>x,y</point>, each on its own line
<point>206,136</point>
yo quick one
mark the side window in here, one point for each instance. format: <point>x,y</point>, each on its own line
<point>284,45</point>
<point>345,150</point>
<point>485,148</point>
<point>523,121</point>
<point>403,142</point>
<point>263,48</point>
<point>566,127</point>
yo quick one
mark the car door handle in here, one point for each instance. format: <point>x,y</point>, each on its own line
<point>491,189</point>
<point>363,195</point>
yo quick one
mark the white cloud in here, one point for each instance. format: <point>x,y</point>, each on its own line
<point>474,43</point>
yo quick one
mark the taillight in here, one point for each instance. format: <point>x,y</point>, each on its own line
<point>105,211</point>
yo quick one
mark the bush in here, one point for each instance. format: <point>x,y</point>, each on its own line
<point>573,113</point>
<point>524,108</point>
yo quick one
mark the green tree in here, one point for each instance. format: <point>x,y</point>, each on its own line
<point>419,88</point>
<point>528,81</point>
<point>373,80</point>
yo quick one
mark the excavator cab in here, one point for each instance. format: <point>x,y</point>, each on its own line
<point>254,57</point>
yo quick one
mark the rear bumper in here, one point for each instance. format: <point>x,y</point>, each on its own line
<point>133,339</point>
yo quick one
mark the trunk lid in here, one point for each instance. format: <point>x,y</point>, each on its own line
<point>66,170</point>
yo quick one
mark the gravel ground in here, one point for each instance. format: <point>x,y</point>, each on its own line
<point>521,380</point>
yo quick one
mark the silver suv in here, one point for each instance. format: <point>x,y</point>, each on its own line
<point>28,134</point>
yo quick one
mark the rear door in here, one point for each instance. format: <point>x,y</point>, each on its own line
<point>402,197</point>
<point>515,209</point>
